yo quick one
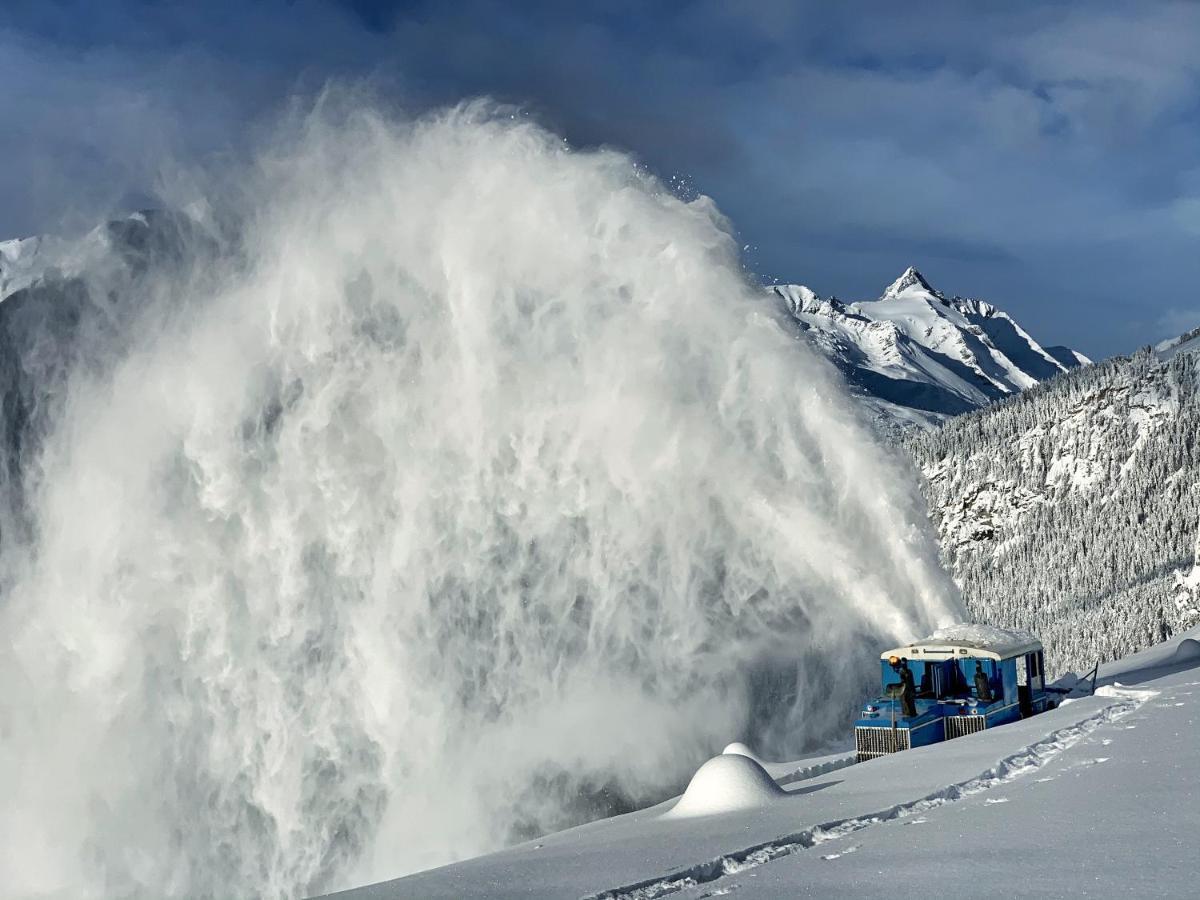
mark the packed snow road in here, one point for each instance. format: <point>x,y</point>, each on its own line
<point>1091,799</point>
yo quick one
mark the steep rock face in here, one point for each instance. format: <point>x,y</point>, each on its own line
<point>1071,509</point>
<point>918,357</point>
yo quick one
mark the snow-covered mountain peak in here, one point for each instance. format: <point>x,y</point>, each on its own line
<point>125,244</point>
<point>919,356</point>
<point>23,260</point>
<point>910,279</point>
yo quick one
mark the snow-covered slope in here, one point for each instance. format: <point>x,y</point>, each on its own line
<point>1099,786</point>
<point>33,262</point>
<point>111,251</point>
<point>917,356</point>
<point>1071,509</point>
<point>18,258</point>
<point>1185,343</point>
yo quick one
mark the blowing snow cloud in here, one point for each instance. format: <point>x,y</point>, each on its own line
<point>467,486</point>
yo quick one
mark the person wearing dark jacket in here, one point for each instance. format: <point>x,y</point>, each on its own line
<point>983,688</point>
<point>908,694</point>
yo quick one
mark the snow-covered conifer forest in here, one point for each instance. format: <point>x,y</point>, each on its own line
<point>1071,509</point>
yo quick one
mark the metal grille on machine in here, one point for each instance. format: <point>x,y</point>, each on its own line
<point>958,726</point>
<point>873,742</point>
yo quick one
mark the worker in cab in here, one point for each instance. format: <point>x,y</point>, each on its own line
<point>983,688</point>
<point>908,700</point>
<point>908,686</point>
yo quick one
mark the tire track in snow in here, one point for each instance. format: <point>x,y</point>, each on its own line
<point>1024,761</point>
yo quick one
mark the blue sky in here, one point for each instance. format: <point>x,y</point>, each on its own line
<point>1043,156</point>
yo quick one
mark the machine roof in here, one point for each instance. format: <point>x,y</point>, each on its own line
<point>968,640</point>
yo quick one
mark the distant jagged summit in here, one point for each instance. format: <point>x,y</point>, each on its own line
<point>917,356</point>
<point>910,278</point>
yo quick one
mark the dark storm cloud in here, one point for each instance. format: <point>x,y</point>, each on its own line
<point>1044,156</point>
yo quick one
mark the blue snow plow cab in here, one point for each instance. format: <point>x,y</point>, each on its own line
<point>963,679</point>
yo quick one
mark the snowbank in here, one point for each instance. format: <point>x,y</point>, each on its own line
<point>1187,651</point>
<point>726,783</point>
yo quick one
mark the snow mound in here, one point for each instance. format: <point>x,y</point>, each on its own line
<point>726,783</point>
<point>1188,650</point>
<point>737,748</point>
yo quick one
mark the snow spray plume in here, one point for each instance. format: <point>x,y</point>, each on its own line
<point>475,487</point>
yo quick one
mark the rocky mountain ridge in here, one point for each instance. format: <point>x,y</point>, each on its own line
<point>917,357</point>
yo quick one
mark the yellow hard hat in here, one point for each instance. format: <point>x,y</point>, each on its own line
<point>894,660</point>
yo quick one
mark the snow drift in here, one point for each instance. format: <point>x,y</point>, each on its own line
<point>469,491</point>
<point>729,782</point>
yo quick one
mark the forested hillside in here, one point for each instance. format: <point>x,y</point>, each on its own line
<point>1071,509</point>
